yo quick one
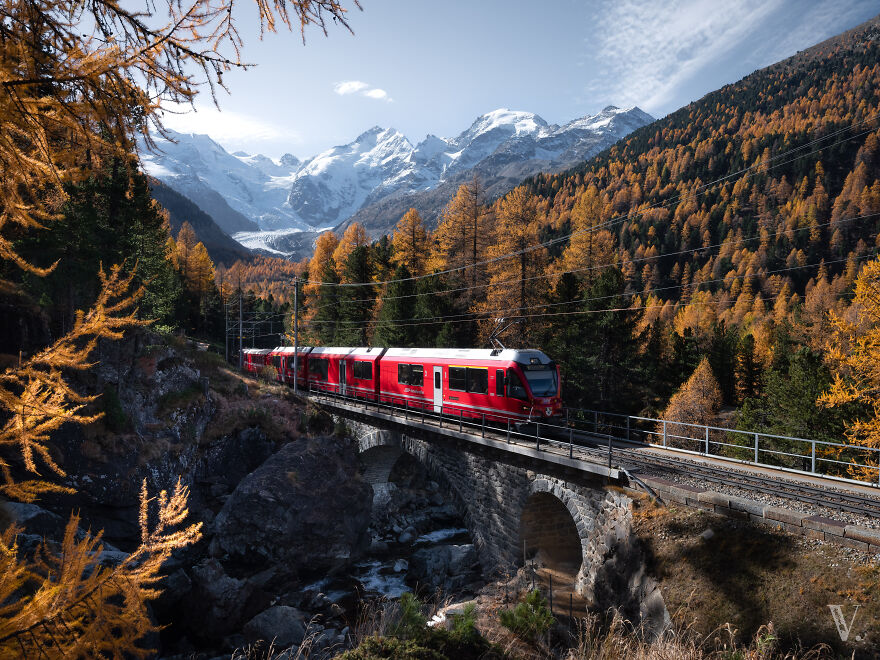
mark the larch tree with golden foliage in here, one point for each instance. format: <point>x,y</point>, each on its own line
<point>410,243</point>
<point>696,402</point>
<point>464,234</point>
<point>591,247</point>
<point>516,286</point>
<point>354,237</point>
<point>854,354</point>
<point>78,82</point>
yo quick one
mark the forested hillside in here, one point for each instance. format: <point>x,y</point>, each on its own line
<point>726,231</point>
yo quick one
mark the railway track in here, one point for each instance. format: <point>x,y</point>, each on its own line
<point>777,486</point>
<point>644,460</point>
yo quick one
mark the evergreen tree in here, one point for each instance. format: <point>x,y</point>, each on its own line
<point>399,303</point>
<point>722,358</point>
<point>748,369</point>
<point>605,358</point>
<point>355,302</point>
<point>326,306</point>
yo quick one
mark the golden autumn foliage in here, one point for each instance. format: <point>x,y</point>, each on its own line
<point>464,234</point>
<point>696,402</point>
<point>591,246</point>
<point>37,398</point>
<point>78,81</point>
<point>854,352</point>
<point>75,606</point>
<point>354,237</point>
<point>515,286</point>
<point>410,243</point>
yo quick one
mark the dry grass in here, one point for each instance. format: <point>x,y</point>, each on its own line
<point>729,586</point>
<point>620,641</point>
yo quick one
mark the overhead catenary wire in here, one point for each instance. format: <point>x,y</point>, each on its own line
<point>559,273</point>
<point>614,221</point>
<point>485,314</point>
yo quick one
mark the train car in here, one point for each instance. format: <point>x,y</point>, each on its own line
<point>254,359</point>
<point>348,371</point>
<point>498,384</point>
<point>282,359</point>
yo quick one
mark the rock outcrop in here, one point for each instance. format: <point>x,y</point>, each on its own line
<point>304,509</point>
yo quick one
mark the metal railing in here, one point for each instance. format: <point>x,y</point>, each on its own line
<point>851,463</point>
<point>547,435</point>
<point>800,455</point>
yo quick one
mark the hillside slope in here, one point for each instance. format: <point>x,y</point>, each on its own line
<point>737,198</point>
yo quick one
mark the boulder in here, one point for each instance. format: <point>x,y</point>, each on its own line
<point>305,509</point>
<point>283,625</point>
<point>447,567</point>
<point>216,603</point>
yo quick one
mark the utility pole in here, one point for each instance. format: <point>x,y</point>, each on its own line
<point>295,333</point>
<point>226,325</point>
<point>240,330</point>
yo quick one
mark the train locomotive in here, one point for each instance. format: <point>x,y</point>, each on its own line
<point>522,385</point>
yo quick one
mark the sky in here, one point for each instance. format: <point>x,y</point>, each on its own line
<point>427,67</point>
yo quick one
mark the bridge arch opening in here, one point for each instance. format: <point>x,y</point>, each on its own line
<point>549,536</point>
<point>377,463</point>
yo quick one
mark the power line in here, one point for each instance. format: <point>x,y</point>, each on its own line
<point>552,274</point>
<point>476,315</point>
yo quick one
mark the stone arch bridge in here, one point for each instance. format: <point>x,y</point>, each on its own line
<point>517,508</point>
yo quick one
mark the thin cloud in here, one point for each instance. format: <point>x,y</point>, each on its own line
<point>347,87</point>
<point>647,50</point>
<point>234,130</point>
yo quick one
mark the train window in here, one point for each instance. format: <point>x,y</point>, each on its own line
<point>499,382</point>
<point>318,368</point>
<point>276,361</point>
<point>403,374</point>
<point>478,381</point>
<point>363,370</point>
<point>515,387</point>
<point>458,378</point>
<point>416,375</point>
<point>436,380</point>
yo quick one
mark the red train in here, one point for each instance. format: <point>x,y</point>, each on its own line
<point>498,383</point>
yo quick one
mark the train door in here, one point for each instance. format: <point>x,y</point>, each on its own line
<point>342,375</point>
<point>438,389</point>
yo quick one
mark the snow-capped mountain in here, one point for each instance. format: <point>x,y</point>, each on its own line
<point>376,177</point>
<point>241,192</point>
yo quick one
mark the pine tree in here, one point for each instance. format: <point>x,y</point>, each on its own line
<point>355,303</point>
<point>854,354</point>
<point>399,302</point>
<point>748,369</point>
<point>463,235</point>
<point>325,310</point>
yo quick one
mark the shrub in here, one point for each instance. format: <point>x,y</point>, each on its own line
<point>529,619</point>
<point>115,418</point>
<point>376,648</point>
<point>464,626</point>
<point>411,621</point>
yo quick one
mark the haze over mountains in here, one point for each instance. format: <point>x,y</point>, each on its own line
<point>277,206</point>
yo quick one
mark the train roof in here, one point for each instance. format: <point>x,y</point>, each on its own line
<point>523,356</point>
<point>257,351</point>
<point>372,351</point>
<point>290,349</point>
